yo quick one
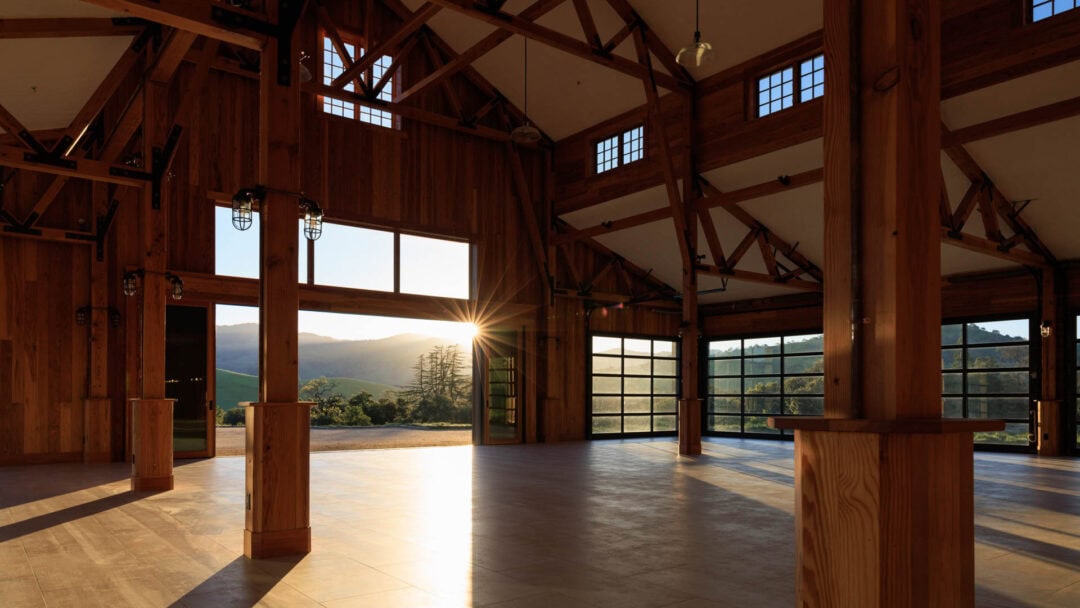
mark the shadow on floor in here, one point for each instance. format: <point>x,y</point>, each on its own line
<point>63,516</point>
<point>243,582</point>
<point>26,484</point>
<point>1037,549</point>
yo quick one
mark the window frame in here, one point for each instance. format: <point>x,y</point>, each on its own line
<point>397,232</point>
<point>589,434</point>
<point>781,375</point>
<point>795,64</point>
<point>360,102</point>
<point>621,140</point>
<point>1029,11</point>
<point>1034,367</point>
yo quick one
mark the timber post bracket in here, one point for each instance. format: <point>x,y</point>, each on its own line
<point>289,12</point>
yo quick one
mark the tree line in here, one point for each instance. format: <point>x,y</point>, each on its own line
<point>440,392</point>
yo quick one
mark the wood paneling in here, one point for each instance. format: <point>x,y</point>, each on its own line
<point>41,286</point>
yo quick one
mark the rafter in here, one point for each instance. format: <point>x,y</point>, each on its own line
<point>447,86</point>
<point>991,248</point>
<point>69,27</point>
<point>517,25</point>
<point>334,34</point>
<point>86,169</point>
<point>561,227</point>
<point>758,277</point>
<point>196,16</point>
<point>14,126</point>
<point>967,205</point>
<point>657,46</point>
<point>712,237</point>
<point>489,42</point>
<point>1013,122</point>
<point>387,47</point>
<point>588,26</point>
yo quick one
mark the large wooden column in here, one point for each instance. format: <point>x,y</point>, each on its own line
<point>277,520</point>
<point>1049,433</point>
<point>690,347</point>
<point>152,413</point>
<point>884,486</point>
<point>97,407</point>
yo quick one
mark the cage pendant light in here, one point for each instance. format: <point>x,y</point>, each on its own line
<point>699,52</point>
<point>526,133</point>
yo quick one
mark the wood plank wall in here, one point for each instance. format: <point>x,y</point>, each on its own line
<point>41,286</point>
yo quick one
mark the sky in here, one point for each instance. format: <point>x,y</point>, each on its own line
<point>360,258</point>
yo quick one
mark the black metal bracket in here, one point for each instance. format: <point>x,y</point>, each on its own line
<point>50,159</point>
<point>289,12</point>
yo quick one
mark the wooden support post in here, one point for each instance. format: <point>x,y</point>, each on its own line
<point>1049,419</point>
<point>690,353</point>
<point>277,520</point>
<point>97,408</point>
<point>883,485</point>
<point>152,422</point>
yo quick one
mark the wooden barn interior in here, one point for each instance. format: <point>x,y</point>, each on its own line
<point>776,302</point>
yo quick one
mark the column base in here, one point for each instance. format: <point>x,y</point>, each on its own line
<point>152,445</point>
<point>277,543</point>
<point>152,484</point>
<point>884,512</point>
<point>690,427</point>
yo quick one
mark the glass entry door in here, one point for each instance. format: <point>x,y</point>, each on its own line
<point>501,383</point>
<point>187,336</point>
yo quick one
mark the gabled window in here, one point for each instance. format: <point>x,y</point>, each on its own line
<point>621,149</point>
<point>1044,9</point>
<point>334,66</point>
<point>776,91</point>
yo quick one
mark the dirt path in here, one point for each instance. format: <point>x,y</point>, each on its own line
<point>230,440</point>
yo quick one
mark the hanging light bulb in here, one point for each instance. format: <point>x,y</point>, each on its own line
<point>699,52</point>
<point>313,219</point>
<point>243,204</point>
<point>526,133</point>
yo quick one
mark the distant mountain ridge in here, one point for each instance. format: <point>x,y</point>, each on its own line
<point>386,361</point>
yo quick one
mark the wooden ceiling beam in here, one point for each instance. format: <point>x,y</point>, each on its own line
<point>26,138</point>
<point>489,42</point>
<point>447,85</point>
<point>967,205</point>
<point>645,276</point>
<point>77,27</point>
<point>523,27</point>
<point>334,34</point>
<point>196,16</point>
<point>988,247</point>
<point>758,277</point>
<point>371,55</point>
<point>776,186</point>
<point>657,46</point>
<point>93,170</point>
<point>712,237</point>
<point>640,219</point>
<point>1013,122</point>
<point>588,25</point>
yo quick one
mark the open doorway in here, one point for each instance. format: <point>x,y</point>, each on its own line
<point>377,382</point>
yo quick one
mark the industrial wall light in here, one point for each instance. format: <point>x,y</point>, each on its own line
<point>313,219</point>
<point>1046,329</point>
<point>243,205</point>
<point>176,286</point>
<point>130,284</point>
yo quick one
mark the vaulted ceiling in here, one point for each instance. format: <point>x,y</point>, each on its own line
<point>46,81</point>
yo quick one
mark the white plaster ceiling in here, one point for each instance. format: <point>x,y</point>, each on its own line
<point>47,81</point>
<point>568,93</point>
<point>44,9</point>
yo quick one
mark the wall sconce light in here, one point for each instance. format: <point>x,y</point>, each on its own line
<point>1046,329</point>
<point>130,284</point>
<point>313,218</point>
<point>243,205</point>
<point>82,315</point>
<point>176,288</point>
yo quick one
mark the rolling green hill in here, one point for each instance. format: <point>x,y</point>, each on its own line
<point>234,387</point>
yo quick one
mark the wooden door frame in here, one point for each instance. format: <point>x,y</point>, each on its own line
<point>211,385</point>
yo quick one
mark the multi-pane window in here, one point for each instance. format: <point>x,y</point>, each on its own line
<point>624,148</point>
<point>334,66</point>
<point>1044,9</point>
<point>607,154</point>
<point>751,379</point>
<point>986,373</point>
<point>373,116</point>
<point>812,78</point>
<point>634,386</point>
<point>776,92</point>
<point>633,145</point>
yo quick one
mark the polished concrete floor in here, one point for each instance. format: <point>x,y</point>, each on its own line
<point>605,524</point>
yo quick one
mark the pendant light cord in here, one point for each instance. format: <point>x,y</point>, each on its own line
<point>526,38</point>
<point>697,20</point>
